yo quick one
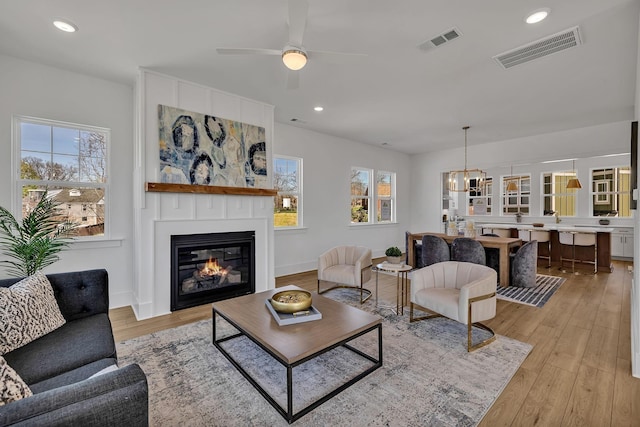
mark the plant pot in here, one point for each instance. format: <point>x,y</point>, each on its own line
<point>395,259</point>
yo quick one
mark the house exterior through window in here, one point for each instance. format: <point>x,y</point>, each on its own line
<point>68,163</point>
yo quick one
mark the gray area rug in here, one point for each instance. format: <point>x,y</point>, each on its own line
<point>427,377</point>
<point>537,296</point>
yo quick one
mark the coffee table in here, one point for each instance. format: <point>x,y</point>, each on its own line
<point>292,345</point>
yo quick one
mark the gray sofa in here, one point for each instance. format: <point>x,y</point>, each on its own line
<point>58,365</point>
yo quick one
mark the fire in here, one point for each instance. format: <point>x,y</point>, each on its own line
<point>211,268</point>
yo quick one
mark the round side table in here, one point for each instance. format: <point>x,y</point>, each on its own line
<point>402,287</point>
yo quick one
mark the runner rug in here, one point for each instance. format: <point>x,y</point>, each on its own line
<point>537,296</point>
<point>427,377</point>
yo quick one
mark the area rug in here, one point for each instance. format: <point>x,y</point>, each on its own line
<point>537,296</point>
<point>427,377</point>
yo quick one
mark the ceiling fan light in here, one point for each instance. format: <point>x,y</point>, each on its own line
<point>294,59</point>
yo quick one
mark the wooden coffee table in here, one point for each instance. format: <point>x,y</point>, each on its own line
<point>292,345</point>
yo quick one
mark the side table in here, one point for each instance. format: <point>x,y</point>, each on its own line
<point>402,287</point>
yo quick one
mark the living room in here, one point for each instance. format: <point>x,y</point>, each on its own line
<point>37,89</point>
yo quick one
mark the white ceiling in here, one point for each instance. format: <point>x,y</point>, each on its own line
<point>413,100</point>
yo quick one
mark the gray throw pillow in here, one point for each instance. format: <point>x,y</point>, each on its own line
<point>28,310</point>
<point>12,388</point>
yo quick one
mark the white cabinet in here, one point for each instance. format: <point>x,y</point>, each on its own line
<point>622,243</point>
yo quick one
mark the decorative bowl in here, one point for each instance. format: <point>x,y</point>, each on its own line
<point>538,224</point>
<point>603,222</point>
<point>291,301</point>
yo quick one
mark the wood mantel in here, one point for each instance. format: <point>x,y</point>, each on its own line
<point>158,187</point>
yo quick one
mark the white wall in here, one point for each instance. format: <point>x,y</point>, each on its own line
<point>327,163</point>
<point>40,91</point>
<point>497,157</point>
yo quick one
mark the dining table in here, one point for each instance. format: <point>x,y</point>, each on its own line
<point>504,245</point>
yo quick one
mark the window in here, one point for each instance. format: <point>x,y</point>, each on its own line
<point>385,194</point>
<point>287,179</point>
<point>360,195</point>
<point>556,197</point>
<point>67,162</point>
<point>611,191</point>
<point>516,201</point>
<point>479,197</point>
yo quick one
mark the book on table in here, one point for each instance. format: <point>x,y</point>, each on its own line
<point>292,318</point>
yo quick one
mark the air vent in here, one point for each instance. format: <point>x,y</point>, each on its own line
<point>440,39</point>
<point>539,48</point>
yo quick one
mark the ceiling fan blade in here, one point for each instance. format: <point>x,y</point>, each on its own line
<point>325,53</point>
<point>293,79</point>
<point>297,21</point>
<point>247,51</point>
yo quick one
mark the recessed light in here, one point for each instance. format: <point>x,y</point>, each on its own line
<point>318,108</point>
<point>65,26</point>
<point>537,15</point>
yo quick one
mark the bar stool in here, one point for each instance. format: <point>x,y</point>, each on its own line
<point>542,236</point>
<point>578,238</point>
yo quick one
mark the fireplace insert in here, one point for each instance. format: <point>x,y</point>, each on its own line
<point>211,267</point>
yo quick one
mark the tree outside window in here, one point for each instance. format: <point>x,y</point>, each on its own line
<point>385,193</point>
<point>288,203</point>
<point>360,195</point>
<point>68,163</point>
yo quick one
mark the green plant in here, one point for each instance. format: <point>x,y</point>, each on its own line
<point>34,243</point>
<point>393,251</point>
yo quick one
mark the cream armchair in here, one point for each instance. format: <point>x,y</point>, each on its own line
<point>348,266</point>
<point>460,291</point>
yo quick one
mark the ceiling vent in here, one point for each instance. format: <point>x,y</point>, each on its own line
<point>440,39</point>
<point>539,48</point>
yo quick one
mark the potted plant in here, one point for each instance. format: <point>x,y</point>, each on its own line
<point>35,242</point>
<point>394,255</point>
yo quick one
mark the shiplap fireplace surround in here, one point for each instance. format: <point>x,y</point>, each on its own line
<point>159,215</point>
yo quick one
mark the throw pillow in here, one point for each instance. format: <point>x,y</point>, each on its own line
<point>28,310</point>
<point>13,388</point>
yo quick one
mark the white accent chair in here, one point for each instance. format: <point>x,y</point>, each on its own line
<point>460,291</point>
<point>348,267</point>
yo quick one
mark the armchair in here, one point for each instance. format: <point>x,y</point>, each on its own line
<point>461,291</point>
<point>348,267</point>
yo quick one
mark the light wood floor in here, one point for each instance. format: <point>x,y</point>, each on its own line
<point>578,373</point>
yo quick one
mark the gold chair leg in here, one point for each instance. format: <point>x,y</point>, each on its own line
<point>428,316</point>
<point>363,291</point>
<point>470,346</point>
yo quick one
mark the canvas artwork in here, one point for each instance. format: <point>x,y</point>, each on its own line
<point>201,149</point>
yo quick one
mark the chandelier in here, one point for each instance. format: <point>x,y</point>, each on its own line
<point>460,180</point>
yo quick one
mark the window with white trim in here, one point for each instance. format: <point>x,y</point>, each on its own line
<point>611,191</point>
<point>557,199</point>
<point>360,195</point>
<point>385,196</point>
<point>287,179</point>
<point>67,162</point>
<point>516,201</point>
<point>480,196</point>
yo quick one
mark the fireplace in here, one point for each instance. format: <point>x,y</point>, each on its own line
<point>211,267</point>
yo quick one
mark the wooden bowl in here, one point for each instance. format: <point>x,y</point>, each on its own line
<point>291,301</point>
<point>538,224</point>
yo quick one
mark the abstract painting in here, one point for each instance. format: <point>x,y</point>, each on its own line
<point>201,149</point>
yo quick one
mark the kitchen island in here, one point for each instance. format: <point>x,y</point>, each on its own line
<point>603,241</point>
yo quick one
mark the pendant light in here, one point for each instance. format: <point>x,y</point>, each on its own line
<point>574,183</point>
<point>466,175</point>
<point>511,185</point>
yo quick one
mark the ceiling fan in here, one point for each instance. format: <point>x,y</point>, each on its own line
<point>293,54</point>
